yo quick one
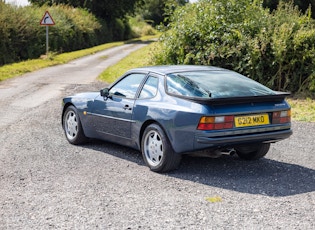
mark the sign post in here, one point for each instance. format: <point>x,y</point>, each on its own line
<point>47,21</point>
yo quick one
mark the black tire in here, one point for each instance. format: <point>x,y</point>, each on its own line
<point>253,152</point>
<point>73,127</point>
<point>157,151</point>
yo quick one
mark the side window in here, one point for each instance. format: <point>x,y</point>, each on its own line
<point>128,86</point>
<point>150,88</point>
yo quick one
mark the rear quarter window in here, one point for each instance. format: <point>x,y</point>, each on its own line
<point>150,87</point>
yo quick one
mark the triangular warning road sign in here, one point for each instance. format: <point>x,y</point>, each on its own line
<point>47,20</point>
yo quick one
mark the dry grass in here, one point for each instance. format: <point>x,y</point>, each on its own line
<point>303,109</point>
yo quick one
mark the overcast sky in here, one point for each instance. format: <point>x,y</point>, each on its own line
<point>18,2</point>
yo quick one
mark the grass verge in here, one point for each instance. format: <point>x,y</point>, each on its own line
<point>302,109</point>
<point>138,58</point>
<point>20,68</point>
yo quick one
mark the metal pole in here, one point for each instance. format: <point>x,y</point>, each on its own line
<point>47,47</point>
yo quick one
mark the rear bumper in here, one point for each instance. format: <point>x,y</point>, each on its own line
<point>205,141</point>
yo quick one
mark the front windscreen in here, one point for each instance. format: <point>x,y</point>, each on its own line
<point>214,84</point>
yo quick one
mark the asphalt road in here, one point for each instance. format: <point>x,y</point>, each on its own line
<point>46,183</point>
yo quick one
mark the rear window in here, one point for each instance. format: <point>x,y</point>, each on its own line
<point>214,84</point>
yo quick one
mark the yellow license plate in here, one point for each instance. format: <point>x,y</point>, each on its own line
<point>252,120</point>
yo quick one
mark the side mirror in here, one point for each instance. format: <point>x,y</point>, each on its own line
<point>105,92</point>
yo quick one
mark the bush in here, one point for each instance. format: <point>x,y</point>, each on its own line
<point>75,29</point>
<point>22,38</point>
<point>140,27</point>
<point>276,49</point>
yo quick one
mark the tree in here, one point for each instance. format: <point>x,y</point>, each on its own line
<point>302,4</point>
<point>105,9</point>
<point>156,11</point>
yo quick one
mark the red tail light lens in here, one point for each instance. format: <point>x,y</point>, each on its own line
<point>281,117</point>
<point>216,123</point>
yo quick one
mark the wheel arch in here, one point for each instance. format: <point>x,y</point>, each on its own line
<point>143,127</point>
<point>146,124</point>
<point>75,134</point>
<point>64,110</point>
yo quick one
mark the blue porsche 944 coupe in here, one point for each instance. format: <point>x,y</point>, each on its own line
<point>168,111</point>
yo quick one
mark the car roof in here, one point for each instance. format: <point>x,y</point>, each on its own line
<point>167,69</point>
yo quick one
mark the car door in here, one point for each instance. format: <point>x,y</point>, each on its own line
<point>113,114</point>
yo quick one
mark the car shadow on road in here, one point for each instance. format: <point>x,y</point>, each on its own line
<point>264,177</point>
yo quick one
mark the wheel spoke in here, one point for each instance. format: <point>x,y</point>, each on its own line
<point>154,148</point>
<point>72,125</point>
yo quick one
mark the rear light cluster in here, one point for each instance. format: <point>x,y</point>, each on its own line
<point>280,117</point>
<point>227,122</point>
<point>216,123</point>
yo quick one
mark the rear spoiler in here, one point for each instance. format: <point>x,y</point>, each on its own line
<point>278,97</point>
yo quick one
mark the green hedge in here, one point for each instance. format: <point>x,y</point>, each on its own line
<point>22,37</point>
<point>276,49</point>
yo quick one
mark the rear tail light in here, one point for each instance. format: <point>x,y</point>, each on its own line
<point>216,123</point>
<point>280,117</point>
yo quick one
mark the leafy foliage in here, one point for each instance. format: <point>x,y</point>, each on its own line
<point>18,31</point>
<point>303,5</point>
<point>76,29</point>
<point>276,49</point>
<point>140,27</point>
<point>22,38</point>
<point>105,9</point>
<point>157,11</point>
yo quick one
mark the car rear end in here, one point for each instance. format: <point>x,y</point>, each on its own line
<point>244,123</point>
<point>237,112</point>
